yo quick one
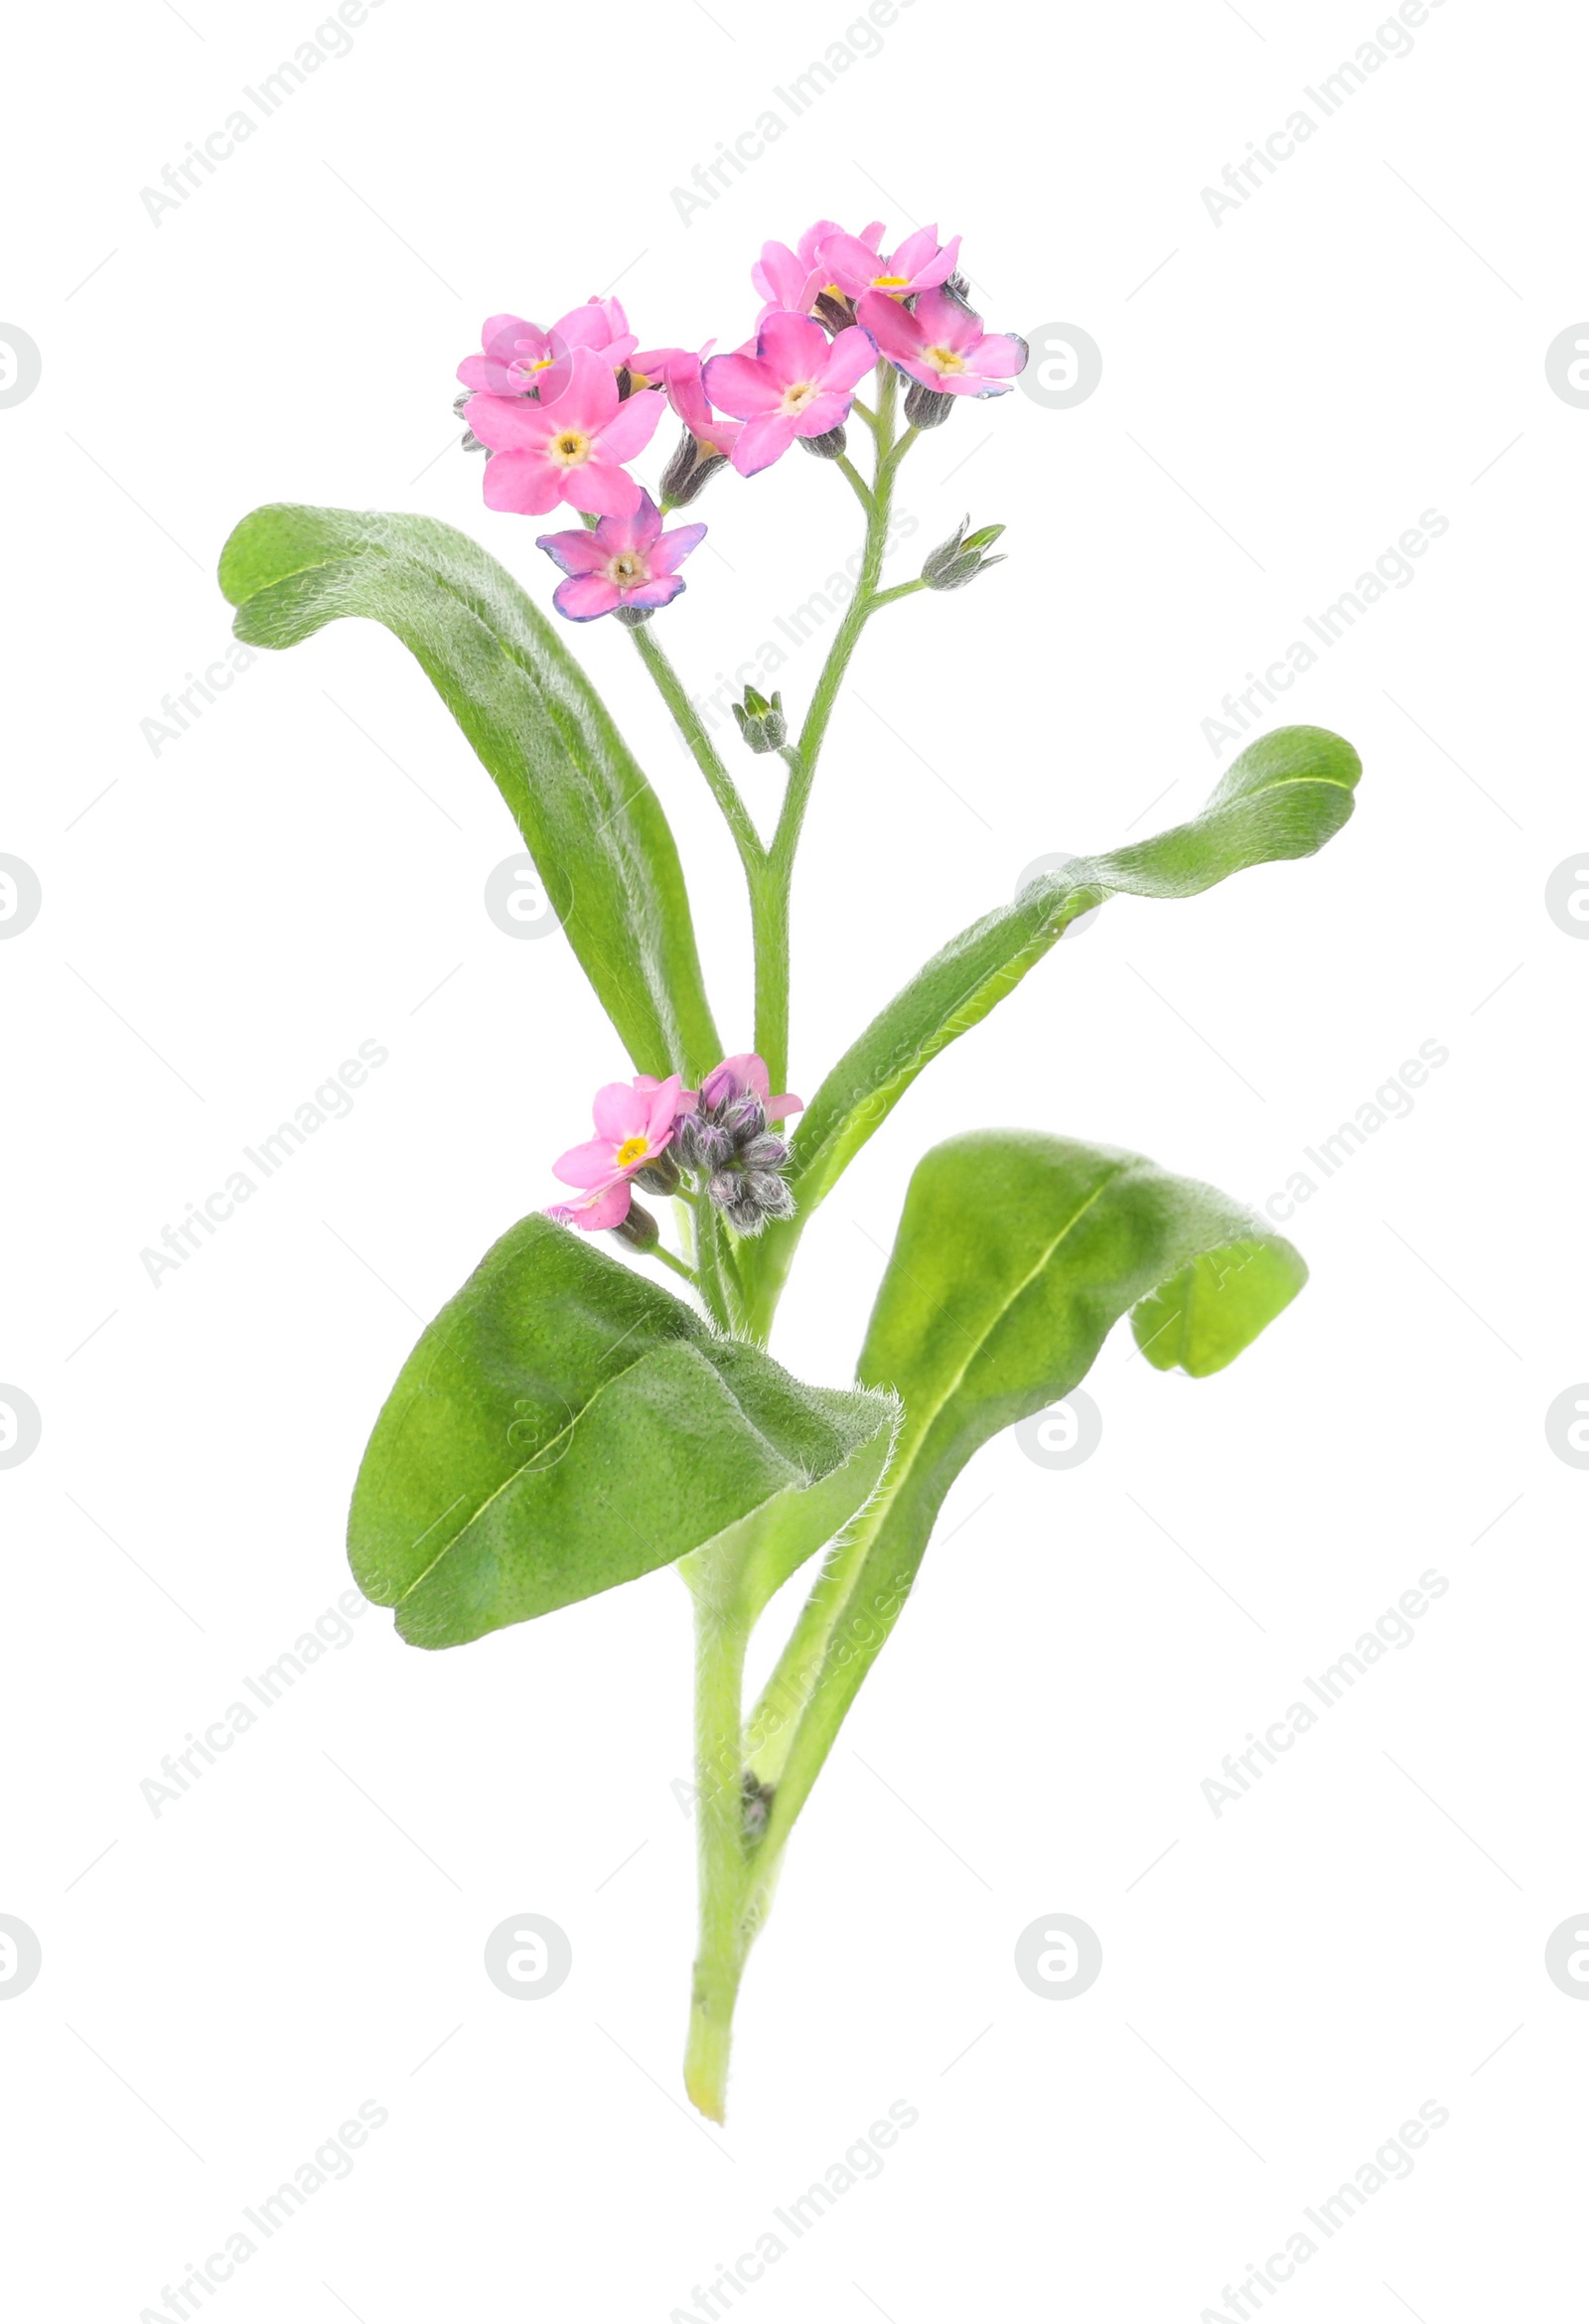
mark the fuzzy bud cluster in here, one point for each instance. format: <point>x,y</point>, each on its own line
<point>739,1158</point>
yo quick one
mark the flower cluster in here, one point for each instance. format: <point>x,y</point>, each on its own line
<point>651,1133</point>
<point>561,413</point>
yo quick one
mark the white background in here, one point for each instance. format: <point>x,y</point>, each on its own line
<point>1283,393</point>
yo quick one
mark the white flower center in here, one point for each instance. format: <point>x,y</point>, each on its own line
<point>796,398</point>
<point>570,448</point>
<point>628,569</point>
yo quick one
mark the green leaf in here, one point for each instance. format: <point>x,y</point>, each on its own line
<point>589,817</point>
<point>565,1425</point>
<point>1016,1254</point>
<point>1203,1318</point>
<point>1284,797</point>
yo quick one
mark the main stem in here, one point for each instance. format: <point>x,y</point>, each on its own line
<point>790,1735</point>
<point>724,1939</point>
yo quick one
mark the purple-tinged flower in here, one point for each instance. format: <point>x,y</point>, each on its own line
<point>627,561</point>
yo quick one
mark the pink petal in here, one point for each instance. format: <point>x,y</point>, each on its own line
<point>661,591</point>
<point>897,330</point>
<point>917,251</point>
<point>741,384</point>
<point>587,325</point>
<point>849,263</point>
<point>600,487</point>
<point>650,366</point>
<point>760,442</point>
<point>849,358</point>
<point>778,274</point>
<point>662,1104</point>
<point>780,1108</point>
<point>632,426</point>
<point>941,382</point>
<point>626,535</point>
<point>575,551</point>
<point>674,547</point>
<point>939,269</point>
<point>521,484</point>
<point>821,413</point>
<point>943,321</point>
<point>999,357</point>
<point>508,423</point>
<point>588,1165</point>
<point>607,1207</point>
<point>589,401</point>
<point>794,345</point>
<point>618,1111</point>
<point>585,596</point>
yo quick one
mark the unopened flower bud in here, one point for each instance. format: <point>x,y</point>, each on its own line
<point>661,1175</point>
<point>638,1228</point>
<point>960,558</point>
<point>691,468</point>
<point>762,724</point>
<point>468,442</point>
<point>924,407</point>
<point>827,446</point>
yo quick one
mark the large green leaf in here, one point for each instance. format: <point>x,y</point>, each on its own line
<point>590,818</point>
<point>565,1425</point>
<point>1016,1254</point>
<point>1285,796</point>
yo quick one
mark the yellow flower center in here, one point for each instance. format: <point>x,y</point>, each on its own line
<point>570,448</point>
<point>632,1150</point>
<point>945,359</point>
<point>796,398</point>
<point>889,282</point>
<point>624,571</point>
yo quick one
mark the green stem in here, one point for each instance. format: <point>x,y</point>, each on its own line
<point>711,1279</point>
<point>725,1936</point>
<point>772,883</point>
<point>848,470</point>
<point>667,1258</point>
<point>702,749</point>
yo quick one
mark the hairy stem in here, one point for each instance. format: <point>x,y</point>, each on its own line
<point>702,749</point>
<point>667,1258</point>
<point>721,1631</point>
